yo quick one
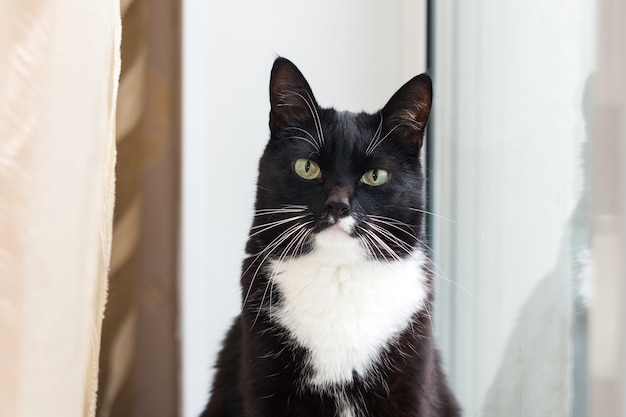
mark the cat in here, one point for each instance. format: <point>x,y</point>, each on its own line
<point>337,285</point>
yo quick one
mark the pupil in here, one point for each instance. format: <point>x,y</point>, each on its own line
<point>307,166</point>
<point>375,175</point>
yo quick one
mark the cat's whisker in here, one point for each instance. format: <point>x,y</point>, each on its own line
<point>376,135</point>
<point>277,211</point>
<point>269,212</point>
<point>315,145</point>
<point>393,223</point>
<point>393,220</point>
<point>296,243</point>
<point>270,248</point>
<point>270,282</point>
<point>316,116</point>
<point>408,250</point>
<point>383,245</point>
<point>428,310</point>
<point>284,207</point>
<point>302,242</point>
<point>267,226</point>
<point>441,274</point>
<point>379,141</point>
<point>277,241</point>
<point>369,245</point>
<point>388,221</point>
<point>302,130</point>
<point>432,214</point>
<point>448,280</point>
<point>402,245</point>
<point>316,120</point>
<point>271,303</point>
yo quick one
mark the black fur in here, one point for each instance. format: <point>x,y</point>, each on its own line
<point>409,380</point>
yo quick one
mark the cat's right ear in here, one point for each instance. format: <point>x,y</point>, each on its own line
<point>291,97</point>
<point>408,109</point>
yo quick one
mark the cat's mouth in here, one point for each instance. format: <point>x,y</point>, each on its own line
<point>344,225</point>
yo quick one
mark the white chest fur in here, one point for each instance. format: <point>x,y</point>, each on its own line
<point>344,308</point>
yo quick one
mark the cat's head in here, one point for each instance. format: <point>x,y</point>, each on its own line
<point>354,176</point>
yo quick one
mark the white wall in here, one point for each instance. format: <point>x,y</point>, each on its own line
<point>355,54</point>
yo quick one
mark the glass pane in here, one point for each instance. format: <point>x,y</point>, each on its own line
<point>510,138</point>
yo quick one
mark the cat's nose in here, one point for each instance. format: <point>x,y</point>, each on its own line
<point>338,202</point>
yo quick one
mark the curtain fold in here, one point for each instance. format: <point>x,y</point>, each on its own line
<point>139,349</point>
<point>59,66</point>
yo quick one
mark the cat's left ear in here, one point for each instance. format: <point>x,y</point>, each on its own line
<point>408,109</point>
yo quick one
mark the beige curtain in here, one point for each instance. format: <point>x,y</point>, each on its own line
<point>139,349</point>
<point>59,65</point>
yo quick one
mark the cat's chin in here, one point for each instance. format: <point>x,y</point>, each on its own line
<point>337,242</point>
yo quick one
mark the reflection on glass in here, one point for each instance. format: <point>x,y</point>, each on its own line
<point>509,167</point>
<point>544,365</point>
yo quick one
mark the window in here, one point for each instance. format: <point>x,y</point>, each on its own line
<point>514,166</point>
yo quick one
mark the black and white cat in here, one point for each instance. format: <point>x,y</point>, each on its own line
<point>337,286</point>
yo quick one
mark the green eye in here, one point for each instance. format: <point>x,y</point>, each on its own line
<point>307,169</point>
<point>375,177</point>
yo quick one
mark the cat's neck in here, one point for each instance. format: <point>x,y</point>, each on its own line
<point>345,309</point>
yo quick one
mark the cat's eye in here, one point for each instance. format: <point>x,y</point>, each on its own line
<point>307,169</point>
<point>375,177</point>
